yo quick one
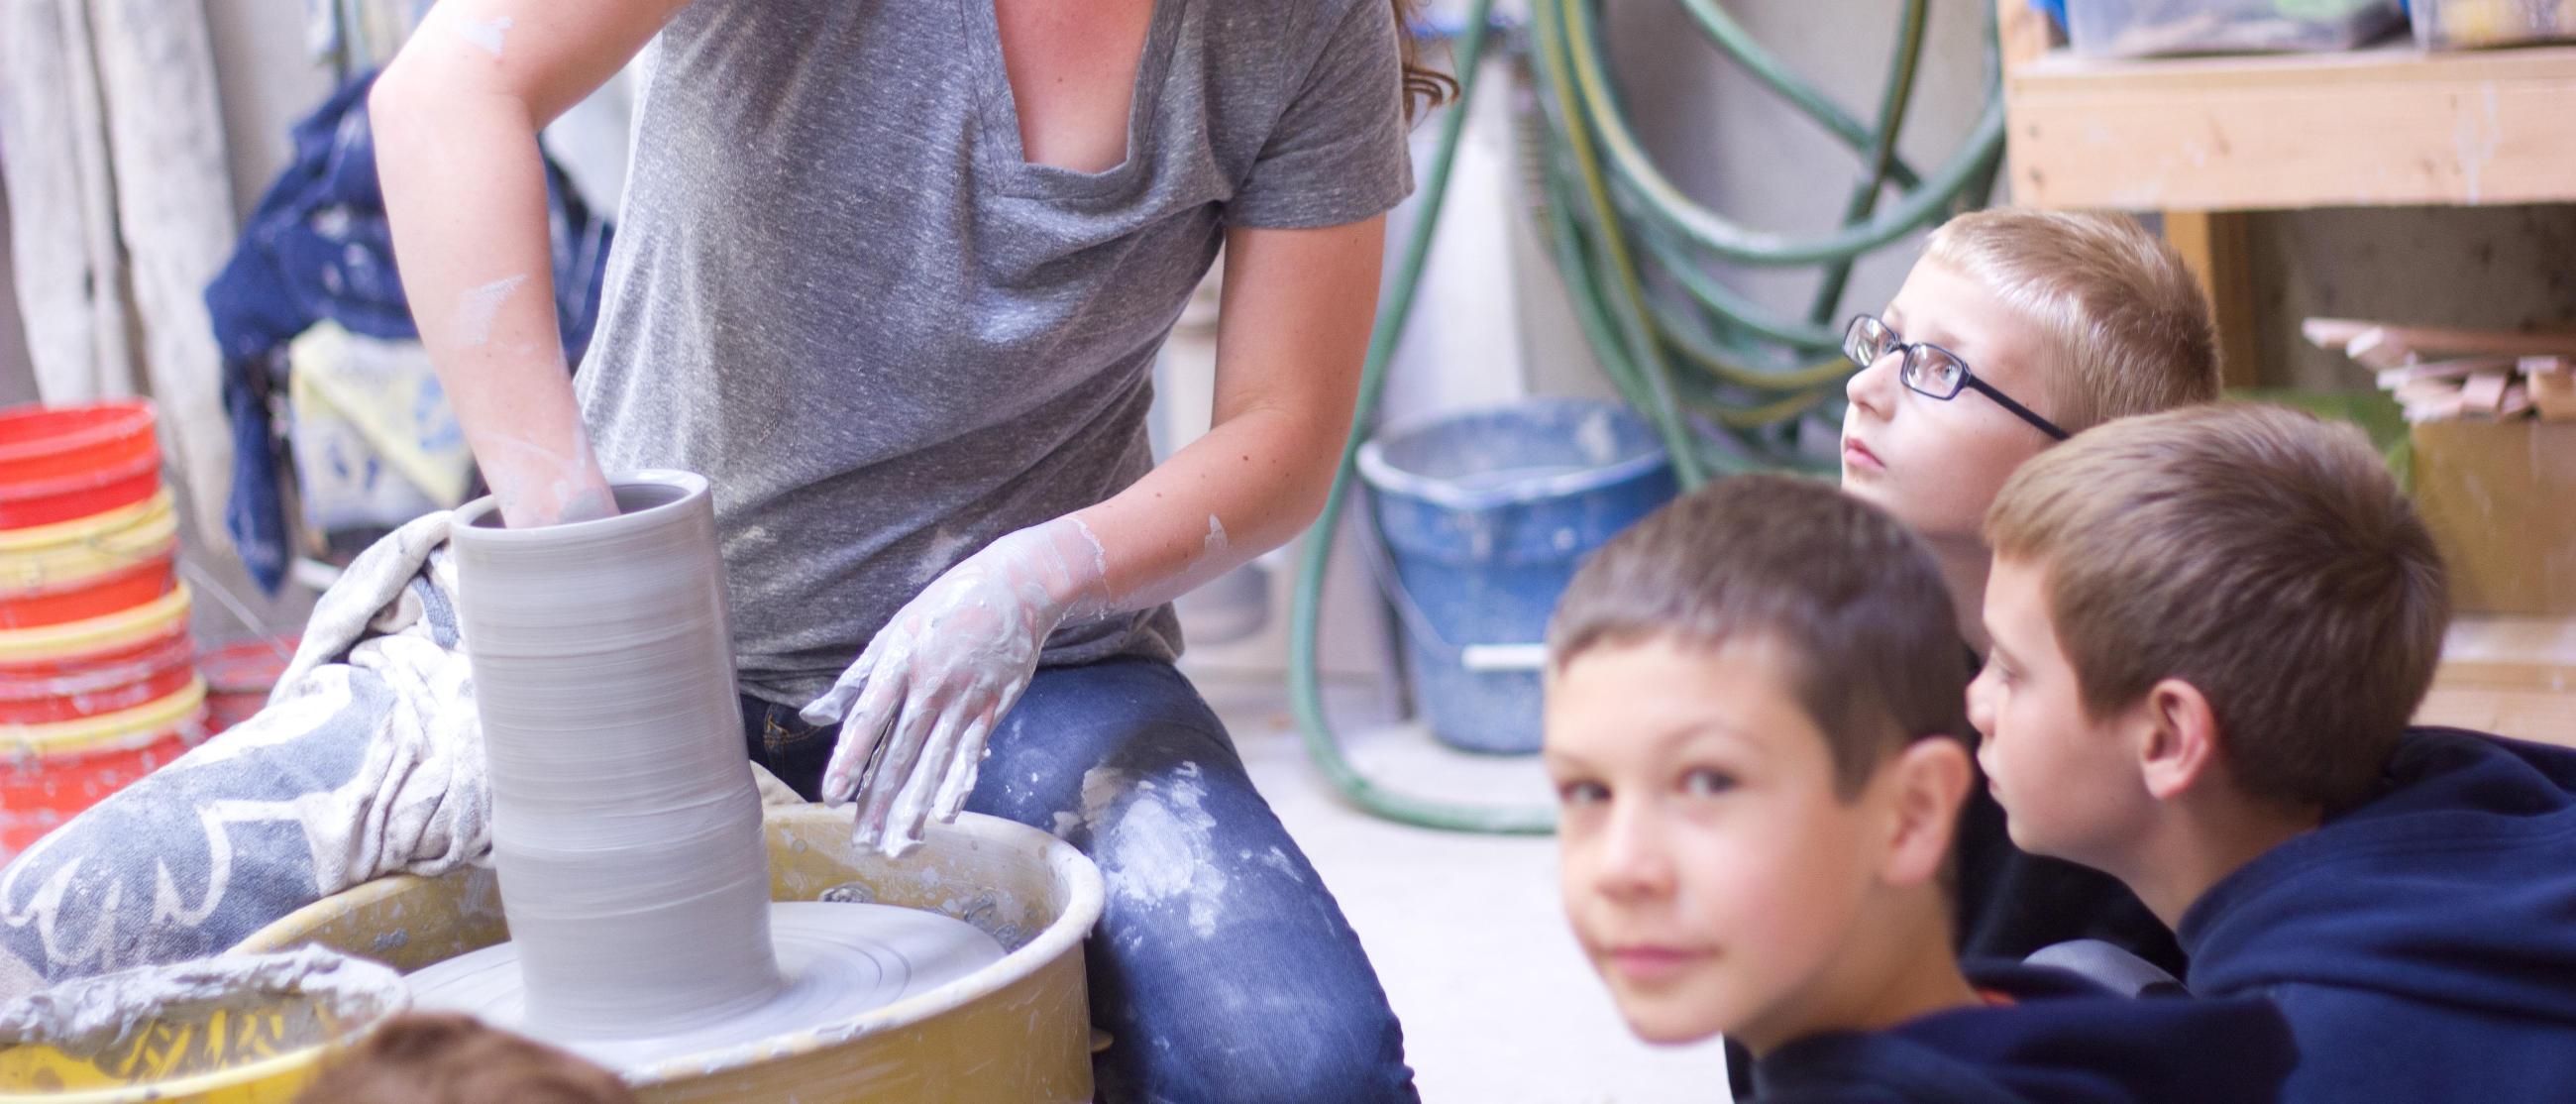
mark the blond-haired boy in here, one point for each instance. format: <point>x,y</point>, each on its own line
<point>2016,329</point>
<point>2210,629</point>
<point>1752,720</point>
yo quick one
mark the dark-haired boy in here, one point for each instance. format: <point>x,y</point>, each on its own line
<point>1752,722</point>
<point>2210,628</point>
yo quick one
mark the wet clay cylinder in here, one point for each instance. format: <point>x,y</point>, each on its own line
<point>626,830</point>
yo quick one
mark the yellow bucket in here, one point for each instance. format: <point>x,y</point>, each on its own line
<point>1018,1031</point>
<point>256,1045</point>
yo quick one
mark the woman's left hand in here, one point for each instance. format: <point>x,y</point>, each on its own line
<point>924,696</point>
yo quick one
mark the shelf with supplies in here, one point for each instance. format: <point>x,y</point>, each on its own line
<point>2385,125</point>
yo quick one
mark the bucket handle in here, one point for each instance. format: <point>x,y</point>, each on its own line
<point>1487,658</point>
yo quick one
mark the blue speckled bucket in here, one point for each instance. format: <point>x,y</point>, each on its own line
<point>1485,515</point>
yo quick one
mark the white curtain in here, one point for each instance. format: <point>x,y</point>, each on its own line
<point>120,212</point>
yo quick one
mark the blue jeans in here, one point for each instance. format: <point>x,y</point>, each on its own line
<point>1222,969</point>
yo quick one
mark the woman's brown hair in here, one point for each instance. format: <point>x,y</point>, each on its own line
<point>1424,87</point>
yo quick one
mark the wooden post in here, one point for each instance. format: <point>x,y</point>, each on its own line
<point>2022,33</point>
<point>2212,244</point>
<point>2021,36</point>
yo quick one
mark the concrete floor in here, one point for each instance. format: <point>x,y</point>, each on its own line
<point>1466,931</point>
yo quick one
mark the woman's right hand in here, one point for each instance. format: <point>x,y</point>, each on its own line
<point>456,118</point>
<point>535,486</point>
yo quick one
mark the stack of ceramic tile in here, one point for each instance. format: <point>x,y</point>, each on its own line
<point>2442,374</point>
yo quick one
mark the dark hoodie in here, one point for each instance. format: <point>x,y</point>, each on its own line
<point>2061,1040</point>
<point>2423,944</point>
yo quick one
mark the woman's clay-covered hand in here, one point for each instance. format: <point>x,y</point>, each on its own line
<point>923,697</point>
<point>932,684</point>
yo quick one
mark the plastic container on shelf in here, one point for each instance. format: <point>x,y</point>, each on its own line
<point>2470,24</point>
<point>2149,28</point>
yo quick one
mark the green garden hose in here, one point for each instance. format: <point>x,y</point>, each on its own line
<point>1749,375</point>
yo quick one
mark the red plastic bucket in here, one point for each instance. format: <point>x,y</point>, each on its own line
<point>59,463</point>
<point>50,772</point>
<point>74,646</point>
<point>89,568</point>
<point>70,497</point>
<point>123,588</point>
<point>35,799</point>
<point>33,695</point>
<point>240,675</point>
<point>50,442</point>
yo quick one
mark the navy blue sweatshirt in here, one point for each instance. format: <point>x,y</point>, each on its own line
<point>2062,1040</point>
<point>2423,944</point>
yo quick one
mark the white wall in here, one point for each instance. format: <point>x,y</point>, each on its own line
<point>1727,141</point>
<point>17,372</point>
<point>267,82</point>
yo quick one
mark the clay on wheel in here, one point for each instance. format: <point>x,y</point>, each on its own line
<point>625,825</point>
<point>840,960</point>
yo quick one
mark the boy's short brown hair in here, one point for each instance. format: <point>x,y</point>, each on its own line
<point>2120,311</point>
<point>1848,593</point>
<point>448,1058</point>
<point>2260,554</point>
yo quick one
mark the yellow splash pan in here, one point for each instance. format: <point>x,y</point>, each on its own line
<point>251,1045</point>
<point>1018,1031</point>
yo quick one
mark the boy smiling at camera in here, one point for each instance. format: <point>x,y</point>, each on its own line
<point>1752,720</point>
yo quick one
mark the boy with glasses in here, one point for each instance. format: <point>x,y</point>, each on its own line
<point>2016,329</point>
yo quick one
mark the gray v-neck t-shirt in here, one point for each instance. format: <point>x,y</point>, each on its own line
<point>840,293</point>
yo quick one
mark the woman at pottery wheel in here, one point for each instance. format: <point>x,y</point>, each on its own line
<point>892,276</point>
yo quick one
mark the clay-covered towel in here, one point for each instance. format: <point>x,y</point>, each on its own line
<point>368,760</point>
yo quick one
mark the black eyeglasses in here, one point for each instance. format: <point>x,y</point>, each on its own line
<point>1930,369</point>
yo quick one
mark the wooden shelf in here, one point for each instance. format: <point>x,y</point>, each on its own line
<point>2514,676</point>
<point>2386,126</point>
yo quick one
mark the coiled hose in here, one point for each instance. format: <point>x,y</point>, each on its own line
<point>1753,375</point>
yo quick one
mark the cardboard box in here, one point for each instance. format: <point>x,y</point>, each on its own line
<point>2500,498</point>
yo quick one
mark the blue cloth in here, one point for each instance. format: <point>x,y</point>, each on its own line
<point>2062,1040</point>
<point>1222,969</point>
<point>318,247</point>
<point>2422,944</point>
